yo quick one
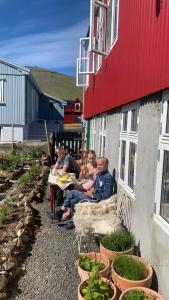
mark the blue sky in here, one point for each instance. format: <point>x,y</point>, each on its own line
<point>43,33</point>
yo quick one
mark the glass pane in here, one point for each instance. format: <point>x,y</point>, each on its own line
<point>125,116</point>
<point>164,206</point>
<point>122,167</point>
<point>132,151</point>
<point>134,115</point>
<point>167,124</point>
<point>114,18</point>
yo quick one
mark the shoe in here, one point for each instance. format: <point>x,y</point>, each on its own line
<point>58,214</point>
<point>70,226</point>
<point>51,215</point>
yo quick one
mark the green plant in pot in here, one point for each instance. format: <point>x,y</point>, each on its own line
<point>140,293</point>
<point>87,262</point>
<point>131,271</point>
<point>96,288</point>
<point>119,242</point>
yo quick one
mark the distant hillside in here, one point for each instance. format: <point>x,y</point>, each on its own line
<point>56,84</point>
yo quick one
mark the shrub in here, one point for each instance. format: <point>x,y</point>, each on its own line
<point>88,265</point>
<point>119,240</point>
<point>130,268</point>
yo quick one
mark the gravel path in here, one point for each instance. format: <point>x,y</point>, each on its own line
<point>50,269</point>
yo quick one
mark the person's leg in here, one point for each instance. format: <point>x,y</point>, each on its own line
<point>73,198</point>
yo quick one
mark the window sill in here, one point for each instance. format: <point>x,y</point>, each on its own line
<point>162,223</point>
<point>128,190</point>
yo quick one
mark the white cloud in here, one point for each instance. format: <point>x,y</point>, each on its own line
<point>57,49</point>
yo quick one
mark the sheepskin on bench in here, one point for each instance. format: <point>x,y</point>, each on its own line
<point>98,218</point>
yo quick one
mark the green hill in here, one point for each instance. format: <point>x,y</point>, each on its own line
<point>56,84</point>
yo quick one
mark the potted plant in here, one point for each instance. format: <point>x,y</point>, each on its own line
<point>140,293</point>
<point>87,262</point>
<point>131,271</point>
<point>96,288</point>
<point>119,242</point>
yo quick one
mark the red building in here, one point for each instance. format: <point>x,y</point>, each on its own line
<point>73,115</point>
<point>124,68</point>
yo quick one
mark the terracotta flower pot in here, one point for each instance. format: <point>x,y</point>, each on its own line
<point>83,283</point>
<point>112,254</point>
<point>94,256</point>
<point>123,283</point>
<point>148,292</point>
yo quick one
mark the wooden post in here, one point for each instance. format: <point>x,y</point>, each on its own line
<point>47,138</point>
<point>12,136</point>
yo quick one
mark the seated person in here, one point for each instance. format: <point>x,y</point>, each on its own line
<point>66,162</point>
<point>88,172</point>
<point>102,189</point>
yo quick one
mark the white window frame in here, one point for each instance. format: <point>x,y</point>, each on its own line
<point>115,6</point>
<point>100,29</point>
<point>1,91</point>
<point>129,137</point>
<point>93,134</point>
<point>102,135</point>
<point>163,146</point>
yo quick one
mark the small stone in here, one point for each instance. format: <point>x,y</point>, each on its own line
<point>21,196</point>
<point>20,232</point>
<point>19,226</point>
<point>9,265</point>
<point>28,220</point>
<point>3,296</point>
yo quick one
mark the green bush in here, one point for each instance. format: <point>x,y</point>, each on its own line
<point>88,265</point>
<point>137,295</point>
<point>96,289</point>
<point>129,268</point>
<point>119,240</point>
<point>34,152</point>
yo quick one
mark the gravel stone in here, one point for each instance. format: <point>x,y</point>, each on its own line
<point>50,270</point>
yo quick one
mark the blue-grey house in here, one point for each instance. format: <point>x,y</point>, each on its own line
<point>24,107</point>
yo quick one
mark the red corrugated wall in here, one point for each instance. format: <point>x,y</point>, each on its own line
<point>138,64</point>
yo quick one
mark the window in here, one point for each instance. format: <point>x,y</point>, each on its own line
<point>128,148</point>
<point>1,91</point>
<point>77,106</point>
<point>162,181</point>
<point>102,136</point>
<point>93,134</point>
<point>115,12</point>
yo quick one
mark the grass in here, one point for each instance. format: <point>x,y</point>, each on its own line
<point>137,295</point>
<point>119,240</point>
<point>27,178</point>
<point>130,268</point>
<point>56,84</point>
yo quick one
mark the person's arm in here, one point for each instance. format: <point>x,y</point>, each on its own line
<point>106,189</point>
<point>58,165</point>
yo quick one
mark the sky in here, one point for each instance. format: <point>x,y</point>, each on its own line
<point>43,33</point>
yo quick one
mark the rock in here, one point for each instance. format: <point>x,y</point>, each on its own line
<point>6,250</point>
<point>3,282</point>
<point>21,196</point>
<point>20,232</point>
<point>28,220</point>
<point>9,265</point>
<point>19,226</point>
<point>20,243</point>
<point>3,296</point>
<point>3,273</point>
<point>28,209</point>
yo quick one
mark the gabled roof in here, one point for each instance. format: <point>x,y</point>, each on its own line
<point>11,64</point>
<point>55,99</point>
